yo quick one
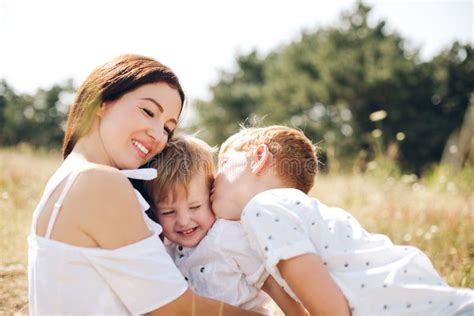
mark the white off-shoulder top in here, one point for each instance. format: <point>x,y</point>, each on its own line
<point>67,279</point>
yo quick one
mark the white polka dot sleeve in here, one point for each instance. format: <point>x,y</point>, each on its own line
<point>274,230</point>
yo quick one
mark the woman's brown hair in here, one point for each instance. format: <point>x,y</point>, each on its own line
<point>108,83</point>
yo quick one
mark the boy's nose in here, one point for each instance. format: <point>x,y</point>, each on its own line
<point>183,219</point>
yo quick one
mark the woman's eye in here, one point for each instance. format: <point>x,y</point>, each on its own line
<point>195,207</point>
<point>148,112</point>
<point>168,130</point>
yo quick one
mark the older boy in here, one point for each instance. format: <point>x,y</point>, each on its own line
<point>263,179</point>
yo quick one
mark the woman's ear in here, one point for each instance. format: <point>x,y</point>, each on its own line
<point>261,160</point>
<point>101,109</point>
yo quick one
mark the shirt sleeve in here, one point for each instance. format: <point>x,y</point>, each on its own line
<point>275,230</point>
<point>234,244</point>
<point>142,274</point>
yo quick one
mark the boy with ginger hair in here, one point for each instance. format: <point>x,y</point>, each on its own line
<point>213,255</point>
<point>320,255</point>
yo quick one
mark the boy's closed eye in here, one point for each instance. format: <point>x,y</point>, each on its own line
<point>195,207</point>
<point>166,212</point>
<point>223,162</point>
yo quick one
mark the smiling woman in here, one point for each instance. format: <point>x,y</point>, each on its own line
<point>135,122</point>
<point>109,84</point>
<point>92,249</point>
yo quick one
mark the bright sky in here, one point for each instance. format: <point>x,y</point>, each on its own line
<point>45,42</point>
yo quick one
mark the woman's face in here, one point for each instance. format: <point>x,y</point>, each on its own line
<point>136,127</point>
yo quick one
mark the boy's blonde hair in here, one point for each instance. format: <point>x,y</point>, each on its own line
<point>294,155</point>
<point>183,158</point>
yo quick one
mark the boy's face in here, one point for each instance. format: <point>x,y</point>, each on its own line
<point>233,186</point>
<point>186,220</point>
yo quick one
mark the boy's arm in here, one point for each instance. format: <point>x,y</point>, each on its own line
<point>310,281</point>
<point>288,305</point>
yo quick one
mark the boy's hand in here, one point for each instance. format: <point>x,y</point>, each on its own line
<point>288,305</point>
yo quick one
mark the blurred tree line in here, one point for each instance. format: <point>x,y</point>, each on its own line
<point>34,119</point>
<point>355,89</point>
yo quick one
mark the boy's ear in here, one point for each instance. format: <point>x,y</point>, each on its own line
<point>261,160</point>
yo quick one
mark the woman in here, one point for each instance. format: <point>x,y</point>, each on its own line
<point>92,249</point>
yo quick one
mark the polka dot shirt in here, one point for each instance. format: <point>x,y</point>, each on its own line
<point>376,276</point>
<point>224,267</point>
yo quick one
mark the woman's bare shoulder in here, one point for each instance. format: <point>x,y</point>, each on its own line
<point>108,207</point>
<point>97,174</point>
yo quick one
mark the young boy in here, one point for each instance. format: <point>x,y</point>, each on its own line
<point>263,180</point>
<point>213,255</point>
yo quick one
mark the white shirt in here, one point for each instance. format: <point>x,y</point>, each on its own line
<point>376,276</point>
<point>224,267</point>
<point>67,279</point>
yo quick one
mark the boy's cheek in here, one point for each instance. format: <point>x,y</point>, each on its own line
<point>206,216</point>
<point>226,214</point>
<point>165,224</point>
<point>235,216</point>
<point>216,212</point>
<point>212,215</point>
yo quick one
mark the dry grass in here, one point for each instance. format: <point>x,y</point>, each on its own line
<point>437,219</point>
<point>23,175</point>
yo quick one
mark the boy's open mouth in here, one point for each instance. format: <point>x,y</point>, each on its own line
<point>188,232</point>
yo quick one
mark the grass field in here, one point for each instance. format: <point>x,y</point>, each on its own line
<point>435,215</point>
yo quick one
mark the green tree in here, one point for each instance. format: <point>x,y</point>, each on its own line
<point>330,81</point>
<point>35,119</point>
<point>235,98</point>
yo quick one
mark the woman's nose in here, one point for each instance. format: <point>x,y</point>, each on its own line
<point>156,131</point>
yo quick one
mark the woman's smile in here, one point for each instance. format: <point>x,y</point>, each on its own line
<point>140,148</point>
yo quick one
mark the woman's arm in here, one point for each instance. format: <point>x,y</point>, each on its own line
<point>183,305</point>
<point>192,304</point>
<point>312,284</point>
<point>288,305</point>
